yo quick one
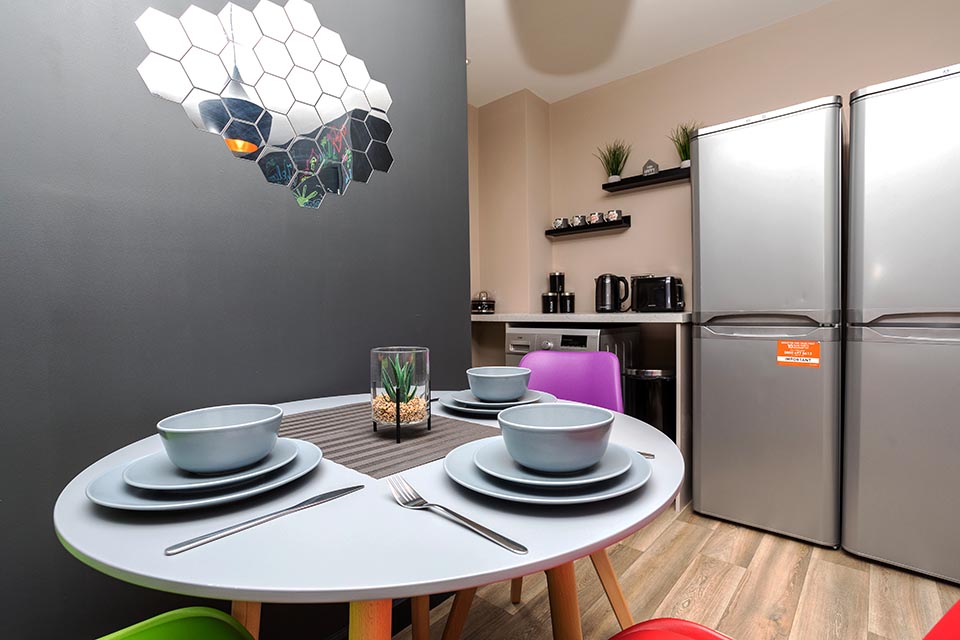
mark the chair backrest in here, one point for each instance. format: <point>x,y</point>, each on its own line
<point>949,626</point>
<point>590,377</point>
<point>191,623</point>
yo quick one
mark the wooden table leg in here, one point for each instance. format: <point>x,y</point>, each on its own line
<point>457,618</point>
<point>601,562</point>
<point>420,617</point>
<point>564,608</point>
<point>371,620</point>
<point>516,590</point>
<point>247,614</point>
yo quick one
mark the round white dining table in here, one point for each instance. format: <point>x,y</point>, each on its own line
<point>362,548</point>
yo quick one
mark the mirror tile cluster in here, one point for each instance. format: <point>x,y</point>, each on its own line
<point>279,88</point>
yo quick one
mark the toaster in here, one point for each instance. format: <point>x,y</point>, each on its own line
<point>656,293</point>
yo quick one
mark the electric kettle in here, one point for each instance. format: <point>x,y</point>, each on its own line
<point>609,297</point>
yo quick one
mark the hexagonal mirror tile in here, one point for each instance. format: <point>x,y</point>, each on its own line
<point>204,29</point>
<point>331,79</point>
<point>330,45</point>
<point>303,17</point>
<point>273,20</point>
<point>274,57</point>
<point>164,77</point>
<point>205,70</point>
<point>304,86</point>
<point>239,25</point>
<point>303,51</point>
<point>278,87</point>
<point>163,34</point>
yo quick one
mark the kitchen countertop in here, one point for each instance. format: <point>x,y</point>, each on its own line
<point>586,318</point>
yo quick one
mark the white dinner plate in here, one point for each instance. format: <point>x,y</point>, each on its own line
<point>156,472</point>
<point>460,468</point>
<point>109,490</point>
<point>449,403</point>
<point>493,459</point>
<point>467,399</point>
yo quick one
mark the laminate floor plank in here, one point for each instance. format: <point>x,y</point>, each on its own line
<point>902,605</point>
<point>703,592</point>
<point>833,604</point>
<point>765,605</point>
<point>642,539</point>
<point>949,595</point>
<point>734,544</point>
<point>749,584</point>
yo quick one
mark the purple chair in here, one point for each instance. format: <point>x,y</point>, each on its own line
<point>591,378</point>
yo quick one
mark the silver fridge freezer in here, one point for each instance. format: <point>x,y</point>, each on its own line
<point>901,477</point>
<point>767,340</point>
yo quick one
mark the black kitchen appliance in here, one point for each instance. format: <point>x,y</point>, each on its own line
<point>609,298</point>
<point>656,293</point>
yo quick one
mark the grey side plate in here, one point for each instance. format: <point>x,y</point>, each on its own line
<point>109,490</point>
<point>467,399</point>
<point>493,459</point>
<point>448,403</point>
<point>460,468</point>
<point>156,472</point>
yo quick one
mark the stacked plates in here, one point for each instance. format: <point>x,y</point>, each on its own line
<point>153,483</point>
<point>467,403</point>
<point>485,466</point>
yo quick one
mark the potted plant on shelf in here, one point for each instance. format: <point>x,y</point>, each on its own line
<point>613,156</point>
<point>680,136</point>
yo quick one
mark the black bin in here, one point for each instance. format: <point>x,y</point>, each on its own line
<point>651,395</point>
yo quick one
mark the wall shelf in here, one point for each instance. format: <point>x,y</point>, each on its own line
<point>639,182</point>
<point>616,225</point>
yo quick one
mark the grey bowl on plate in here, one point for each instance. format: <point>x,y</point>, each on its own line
<point>557,437</point>
<point>220,439</point>
<point>498,384</point>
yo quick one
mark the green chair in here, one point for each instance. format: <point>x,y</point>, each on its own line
<point>191,623</point>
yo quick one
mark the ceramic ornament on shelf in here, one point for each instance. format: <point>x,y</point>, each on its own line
<point>279,89</point>
<point>650,168</point>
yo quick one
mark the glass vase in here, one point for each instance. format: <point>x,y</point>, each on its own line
<point>400,386</point>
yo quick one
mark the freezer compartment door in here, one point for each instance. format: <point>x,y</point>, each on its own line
<point>904,195</point>
<point>902,448</point>
<point>766,433</point>
<point>766,218</point>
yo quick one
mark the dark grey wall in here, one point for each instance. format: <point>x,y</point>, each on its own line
<point>144,271</point>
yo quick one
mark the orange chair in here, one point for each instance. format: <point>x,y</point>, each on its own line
<point>672,629</point>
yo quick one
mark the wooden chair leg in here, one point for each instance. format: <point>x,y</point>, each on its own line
<point>457,619</point>
<point>601,562</point>
<point>247,614</point>
<point>516,590</point>
<point>420,617</point>
<point>564,608</point>
<point>371,620</point>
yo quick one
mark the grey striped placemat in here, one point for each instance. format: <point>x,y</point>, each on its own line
<point>346,436</point>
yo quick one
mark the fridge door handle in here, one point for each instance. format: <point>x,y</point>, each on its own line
<point>738,334</point>
<point>894,335</point>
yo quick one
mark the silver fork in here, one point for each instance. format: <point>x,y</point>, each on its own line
<point>406,496</point>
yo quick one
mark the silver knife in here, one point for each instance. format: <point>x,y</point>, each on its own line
<point>193,543</point>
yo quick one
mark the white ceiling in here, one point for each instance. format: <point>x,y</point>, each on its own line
<point>557,48</point>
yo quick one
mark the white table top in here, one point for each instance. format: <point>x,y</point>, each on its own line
<point>359,547</point>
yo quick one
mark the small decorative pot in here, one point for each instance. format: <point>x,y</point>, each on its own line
<point>595,217</point>
<point>684,164</point>
<point>613,215</point>
<point>613,178</point>
<point>560,223</point>
<point>578,220</point>
<point>400,386</point>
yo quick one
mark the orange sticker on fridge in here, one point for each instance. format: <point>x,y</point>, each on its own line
<point>798,353</point>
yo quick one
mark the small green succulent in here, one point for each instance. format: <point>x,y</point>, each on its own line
<point>397,379</point>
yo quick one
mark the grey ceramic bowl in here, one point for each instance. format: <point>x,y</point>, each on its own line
<point>558,437</point>
<point>220,439</point>
<point>498,384</point>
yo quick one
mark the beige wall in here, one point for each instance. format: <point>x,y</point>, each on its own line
<point>514,138</point>
<point>831,50</point>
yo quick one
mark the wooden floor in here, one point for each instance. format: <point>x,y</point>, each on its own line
<point>747,584</point>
